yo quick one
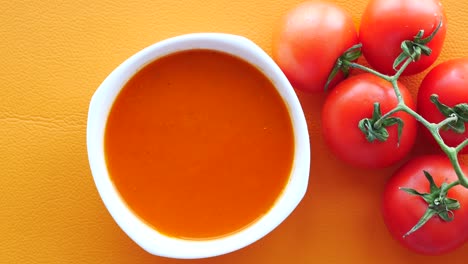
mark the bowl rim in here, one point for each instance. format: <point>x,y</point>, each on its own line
<point>141,233</point>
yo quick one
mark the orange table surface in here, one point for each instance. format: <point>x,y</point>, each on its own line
<point>54,54</point>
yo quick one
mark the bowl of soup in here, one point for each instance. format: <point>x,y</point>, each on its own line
<point>198,145</point>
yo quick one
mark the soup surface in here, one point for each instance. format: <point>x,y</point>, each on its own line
<point>199,144</point>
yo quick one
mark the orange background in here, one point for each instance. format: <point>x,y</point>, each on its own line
<point>54,54</point>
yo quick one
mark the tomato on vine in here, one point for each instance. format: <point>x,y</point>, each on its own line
<point>308,40</point>
<point>353,127</point>
<point>418,192</point>
<point>443,92</point>
<point>386,24</point>
<point>369,120</point>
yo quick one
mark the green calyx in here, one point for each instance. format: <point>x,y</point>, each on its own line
<point>460,110</point>
<point>438,203</point>
<point>375,128</point>
<point>343,62</point>
<point>417,47</point>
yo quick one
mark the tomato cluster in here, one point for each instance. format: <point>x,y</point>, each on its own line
<point>311,43</point>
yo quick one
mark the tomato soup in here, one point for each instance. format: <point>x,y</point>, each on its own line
<point>199,144</point>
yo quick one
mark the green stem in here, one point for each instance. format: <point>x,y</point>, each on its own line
<point>398,108</point>
<point>397,92</point>
<point>394,80</point>
<point>451,185</point>
<point>452,154</point>
<point>462,145</point>
<point>369,70</point>
<point>416,116</point>
<point>446,121</point>
<point>402,69</point>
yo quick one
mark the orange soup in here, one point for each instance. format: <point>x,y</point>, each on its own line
<point>199,144</point>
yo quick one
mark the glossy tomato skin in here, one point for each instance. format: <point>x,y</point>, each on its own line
<point>449,80</point>
<point>401,211</point>
<point>309,39</point>
<point>352,100</point>
<point>386,23</point>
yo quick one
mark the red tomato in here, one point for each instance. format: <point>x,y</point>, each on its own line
<point>308,41</point>
<point>401,210</point>
<point>351,101</point>
<point>449,80</point>
<point>385,24</point>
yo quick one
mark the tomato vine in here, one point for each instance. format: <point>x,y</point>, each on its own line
<point>375,127</point>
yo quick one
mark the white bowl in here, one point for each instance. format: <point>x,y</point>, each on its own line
<point>150,239</point>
